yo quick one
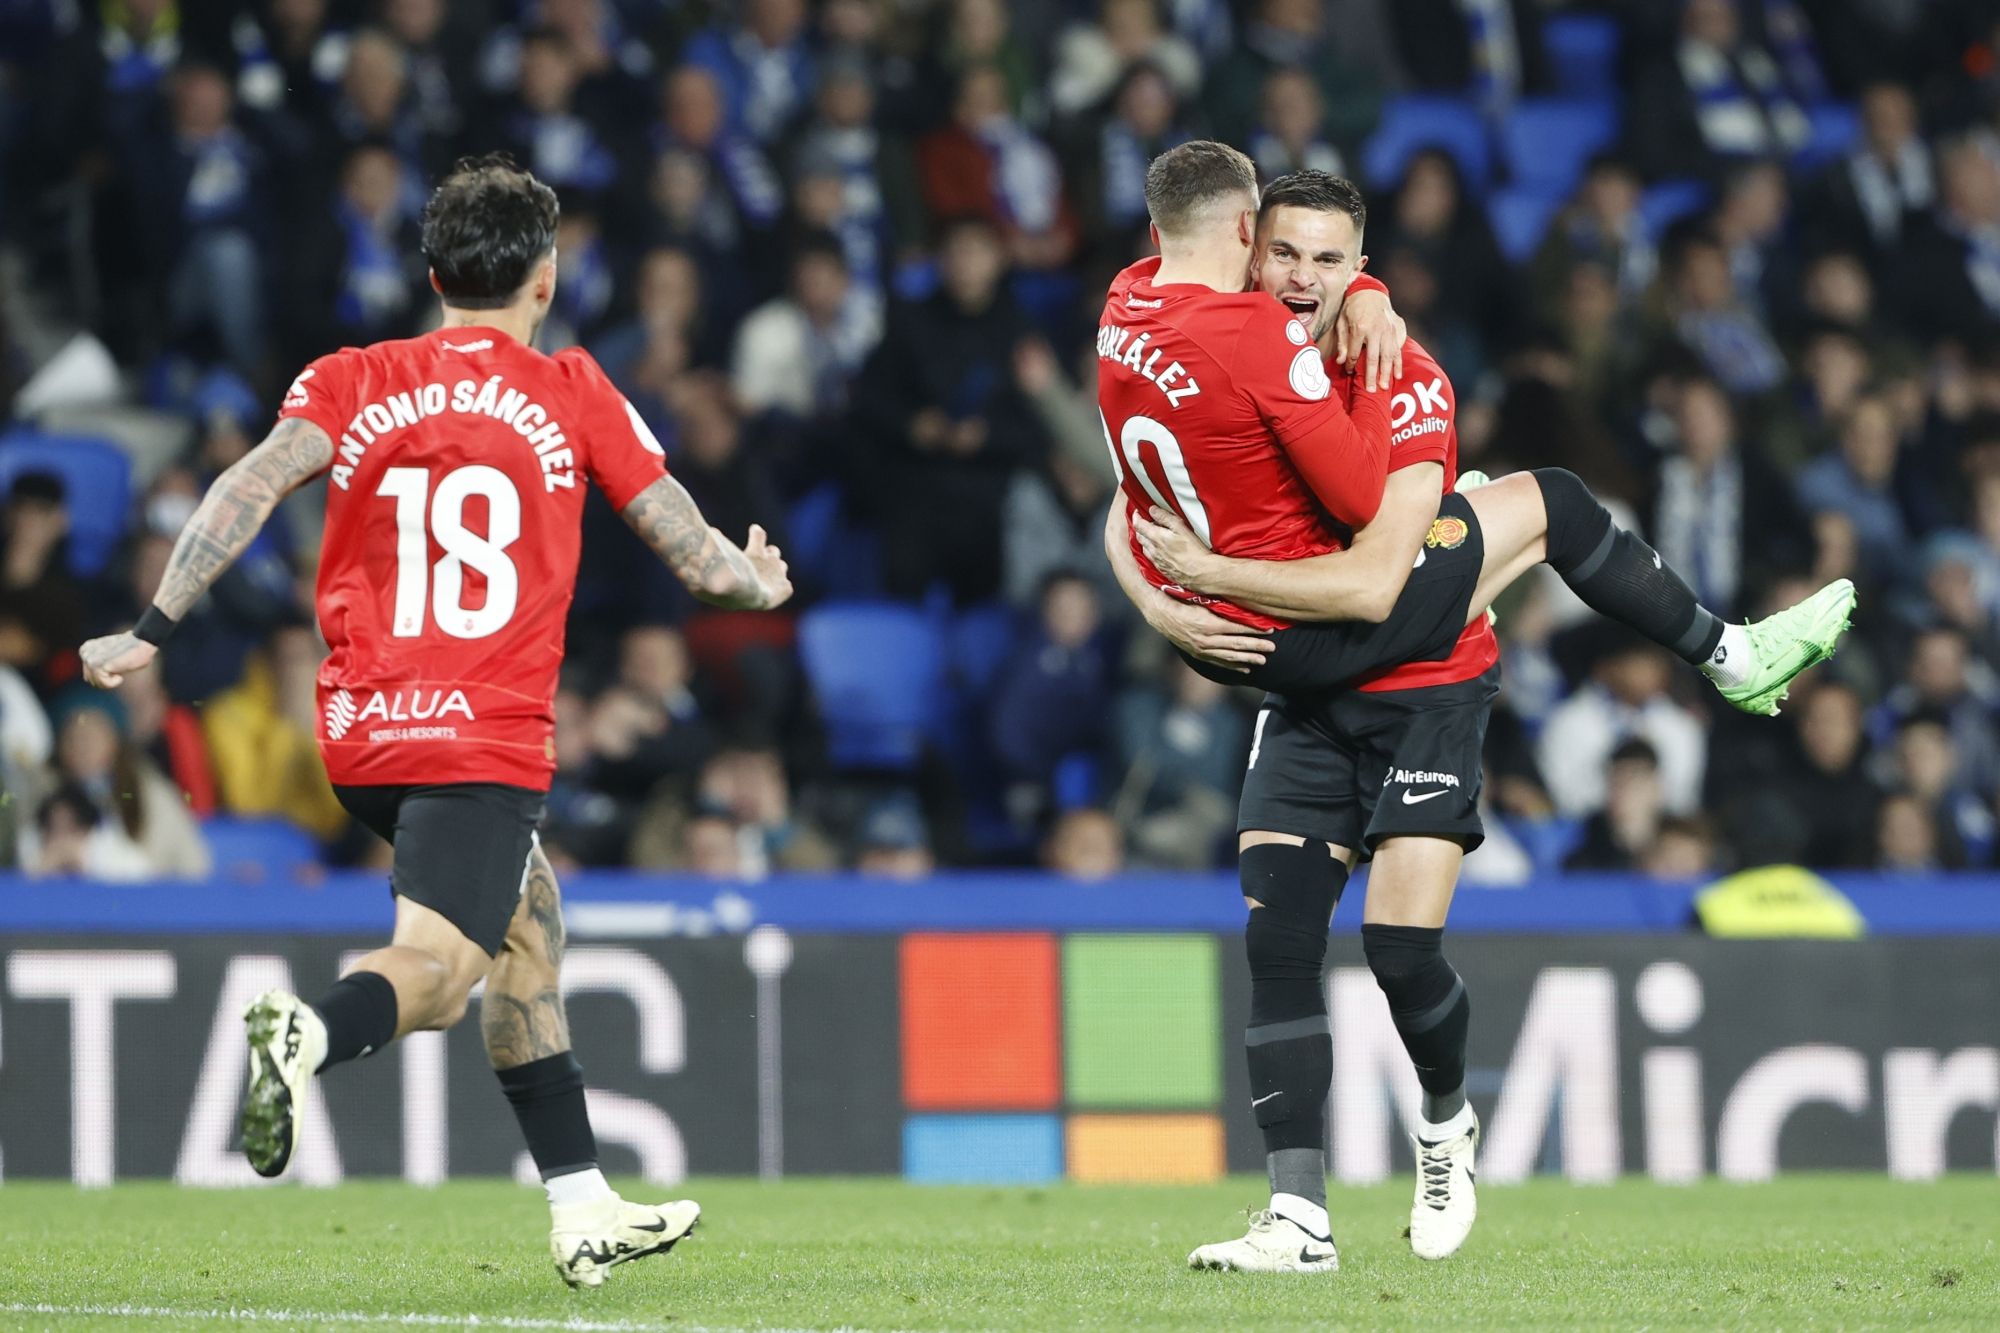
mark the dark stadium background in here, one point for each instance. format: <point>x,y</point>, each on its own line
<point>1735,263</point>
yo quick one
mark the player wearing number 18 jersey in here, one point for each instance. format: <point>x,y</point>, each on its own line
<point>456,464</point>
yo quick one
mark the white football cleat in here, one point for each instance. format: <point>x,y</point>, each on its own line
<point>589,1239</point>
<point>1274,1244</point>
<point>287,1043</point>
<point>1446,1202</point>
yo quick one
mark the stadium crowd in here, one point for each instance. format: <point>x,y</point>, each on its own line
<point>1735,262</point>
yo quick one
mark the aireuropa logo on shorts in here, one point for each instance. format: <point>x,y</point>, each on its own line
<point>1410,777</point>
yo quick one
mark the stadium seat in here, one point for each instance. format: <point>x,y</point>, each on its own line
<point>260,849</point>
<point>1547,141</point>
<point>1520,215</point>
<point>1582,51</point>
<point>828,551</point>
<point>981,639</point>
<point>1668,202</point>
<point>97,481</point>
<point>1548,841</point>
<point>877,669</point>
<point>1836,127</point>
<point>1411,124</point>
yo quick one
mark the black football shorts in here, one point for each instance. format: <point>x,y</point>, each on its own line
<point>1358,766</point>
<point>461,848</point>
<point>1429,615</point>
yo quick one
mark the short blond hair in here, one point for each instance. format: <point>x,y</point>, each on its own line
<point>1183,184</point>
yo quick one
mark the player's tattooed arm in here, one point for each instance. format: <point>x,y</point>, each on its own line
<point>753,577</point>
<point>521,1016</point>
<point>1195,630</point>
<point>232,513</point>
<point>1360,583</point>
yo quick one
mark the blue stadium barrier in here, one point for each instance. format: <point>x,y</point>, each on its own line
<point>1520,215</point>
<point>877,669</point>
<point>97,481</point>
<point>614,903</point>
<point>1411,124</point>
<point>1582,51</point>
<point>1547,141</point>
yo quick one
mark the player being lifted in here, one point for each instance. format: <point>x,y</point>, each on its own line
<point>1413,587</point>
<point>457,464</point>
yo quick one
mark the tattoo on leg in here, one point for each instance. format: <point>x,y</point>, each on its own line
<point>545,906</point>
<point>523,1017</point>
<point>519,1029</point>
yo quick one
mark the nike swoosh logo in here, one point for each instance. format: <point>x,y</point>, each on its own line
<point>1412,798</point>
<point>660,1225</point>
<point>1306,1255</point>
<point>1259,1101</point>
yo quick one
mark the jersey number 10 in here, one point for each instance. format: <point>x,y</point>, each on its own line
<point>443,588</point>
<point>1145,430</point>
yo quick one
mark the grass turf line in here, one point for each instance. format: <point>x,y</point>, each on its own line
<point>1823,1251</point>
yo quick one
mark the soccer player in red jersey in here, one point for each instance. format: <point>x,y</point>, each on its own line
<point>1417,658</point>
<point>457,463</point>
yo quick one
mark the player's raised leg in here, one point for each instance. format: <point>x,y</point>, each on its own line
<point>526,1029</point>
<point>419,982</point>
<point>1291,886</point>
<point>1549,514</point>
<point>1410,886</point>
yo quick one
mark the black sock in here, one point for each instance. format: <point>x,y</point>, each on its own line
<point>1430,1007</point>
<point>359,1011</point>
<point>1290,1051</point>
<point>1617,575</point>
<point>547,1096</point>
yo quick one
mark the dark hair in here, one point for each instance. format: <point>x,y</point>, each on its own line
<point>1183,181</point>
<point>1320,191</point>
<point>1636,749</point>
<point>818,245</point>
<point>486,226</point>
<point>70,796</point>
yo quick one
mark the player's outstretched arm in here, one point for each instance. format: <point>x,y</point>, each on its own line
<point>232,513</point>
<point>751,578</point>
<point>1198,632</point>
<point>1360,583</point>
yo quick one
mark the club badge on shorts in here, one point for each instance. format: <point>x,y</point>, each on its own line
<point>1447,534</point>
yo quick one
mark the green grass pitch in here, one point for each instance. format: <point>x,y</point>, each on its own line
<point>1825,1251</point>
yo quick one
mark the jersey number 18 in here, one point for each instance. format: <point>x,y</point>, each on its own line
<point>443,587</point>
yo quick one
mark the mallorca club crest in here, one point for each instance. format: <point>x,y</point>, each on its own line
<point>1447,534</point>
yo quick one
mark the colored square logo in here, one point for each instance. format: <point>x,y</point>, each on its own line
<point>1145,1149</point>
<point>982,1149</point>
<point>1140,1014</point>
<point>980,1029</point>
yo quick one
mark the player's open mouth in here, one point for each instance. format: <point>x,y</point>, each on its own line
<point>1305,307</point>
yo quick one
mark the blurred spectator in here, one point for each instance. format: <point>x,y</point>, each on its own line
<point>1092,60</point>
<point>943,424</point>
<point>1292,33</point>
<point>1291,128</point>
<point>1624,831</point>
<point>668,331</point>
<point>1721,516</point>
<point>980,34</point>
<point>763,68</point>
<point>1716,95</point>
<point>95,754</point>
<point>1868,199</point>
<point>40,603</point>
<point>1085,845</point>
<point>1055,516</point>
<point>1432,219</point>
<point>261,736</point>
<point>1815,806</point>
<point>712,847</point>
<point>439,70</point>
<point>1952,256</point>
<point>1858,483</point>
<point>1144,122</point>
<point>286,57</point>
<point>381,283</point>
<point>844,147</point>
<point>1053,697</point>
<point>731,482</point>
<point>1601,225</point>
<point>894,843</point>
<point>796,355</point>
<point>1925,765</point>
<point>694,123</point>
<point>747,787</point>
<point>1625,697</point>
<point>201,184</point>
<point>582,822</point>
<point>1181,746</point>
<point>1906,836</point>
<point>549,134</point>
<point>70,836</point>
<point>585,286</point>
<point>1749,224</point>
<point>374,105</point>
<point>1942,678</point>
<point>1684,849</point>
<point>26,742</point>
<point>1712,319</point>
<point>986,164</point>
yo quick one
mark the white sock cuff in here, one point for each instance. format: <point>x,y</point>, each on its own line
<point>571,1187</point>
<point>1450,1129</point>
<point>1304,1213</point>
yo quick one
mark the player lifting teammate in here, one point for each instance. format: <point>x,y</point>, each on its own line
<point>1320,765</point>
<point>456,463</point>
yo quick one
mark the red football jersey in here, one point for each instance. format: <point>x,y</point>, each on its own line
<point>1217,405</point>
<point>452,528</point>
<point>1423,428</point>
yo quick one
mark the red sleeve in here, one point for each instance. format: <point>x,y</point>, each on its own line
<point>619,452</point>
<point>1342,454</point>
<point>1364,282</point>
<point>1422,415</point>
<point>324,393</point>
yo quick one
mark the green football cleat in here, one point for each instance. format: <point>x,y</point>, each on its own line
<point>287,1042</point>
<point>1786,643</point>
